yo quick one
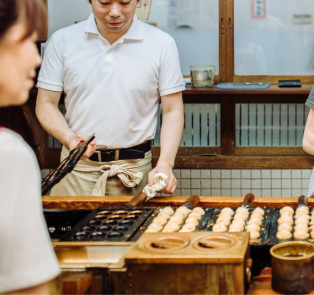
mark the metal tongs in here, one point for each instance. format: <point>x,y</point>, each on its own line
<point>65,167</point>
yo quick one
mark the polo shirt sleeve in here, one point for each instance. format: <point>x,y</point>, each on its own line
<point>310,100</point>
<point>170,78</point>
<point>51,72</point>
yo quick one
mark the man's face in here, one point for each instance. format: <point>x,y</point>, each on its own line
<point>113,17</point>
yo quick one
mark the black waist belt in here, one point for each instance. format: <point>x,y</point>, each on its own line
<point>134,152</point>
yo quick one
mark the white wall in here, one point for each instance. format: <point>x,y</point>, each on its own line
<point>63,13</point>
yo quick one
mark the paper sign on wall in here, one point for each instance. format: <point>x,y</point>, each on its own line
<point>143,9</point>
<point>258,8</point>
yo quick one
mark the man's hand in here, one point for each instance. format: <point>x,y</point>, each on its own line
<point>76,139</point>
<point>171,180</point>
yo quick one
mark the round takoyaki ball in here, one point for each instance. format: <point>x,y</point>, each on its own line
<point>238,219</point>
<point>171,227</point>
<point>259,211</point>
<point>160,220</point>
<point>236,227</point>
<point>184,210</point>
<point>252,227</point>
<point>301,227</point>
<point>285,219</point>
<point>285,226</point>
<point>227,210</point>
<point>199,210</point>
<point>283,235</point>
<point>257,215</point>
<point>187,228</point>
<point>219,228</point>
<point>176,219</point>
<point>167,210</point>
<point>302,210</point>
<point>243,212</point>
<point>254,234</point>
<point>255,221</point>
<point>164,215</point>
<point>180,214</point>
<point>191,220</point>
<point>301,235</point>
<point>286,209</point>
<point>223,220</point>
<point>153,228</point>
<point>198,216</point>
<point>302,220</point>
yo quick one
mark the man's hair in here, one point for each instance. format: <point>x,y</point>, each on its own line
<point>32,12</point>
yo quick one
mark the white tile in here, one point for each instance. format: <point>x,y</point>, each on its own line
<point>236,183</point>
<point>44,172</point>
<point>296,183</point>
<point>305,183</point>
<point>195,191</point>
<point>195,183</point>
<point>205,183</point>
<point>185,173</point>
<point>195,173</point>
<point>216,193</point>
<point>306,173</point>
<point>297,192</point>
<point>246,174</point>
<point>266,173</point>
<point>226,184</point>
<point>266,193</point>
<point>215,173</point>
<point>244,192</point>
<point>226,192</point>
<point>215,183</point>
<point>206,192</point>
<point>286,183</point>
<point>275,183</point>
<point>178,183</point>
<point>286,192</point>
<point>256,174</point>
<point>185,183</point>
<point>185,192</point>
<point>276,173</point>
<point>296,173</point>
<point>256,184</point>
<point>205,173</point>
<point>225,173</point>
<point>256,192</point>
<point>246,184</point>
<point>276,193</point>
<point>177,173</point>
<point>286,174</point>
<point>177,192</point>
<point>236,192</point>
<point>235,173</point>
<point>266,183</point>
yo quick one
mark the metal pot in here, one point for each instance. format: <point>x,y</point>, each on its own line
<point>293,267</point>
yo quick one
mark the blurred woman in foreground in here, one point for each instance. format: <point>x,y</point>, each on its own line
<point>27,260</point>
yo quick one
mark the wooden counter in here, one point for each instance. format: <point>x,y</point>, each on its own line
<point>260,284</point>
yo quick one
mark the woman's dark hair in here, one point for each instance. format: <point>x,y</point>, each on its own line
<point>32,12</point>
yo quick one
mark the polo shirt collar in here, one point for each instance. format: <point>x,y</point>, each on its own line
<point>135,32</point>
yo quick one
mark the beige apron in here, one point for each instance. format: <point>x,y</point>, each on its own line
<point>115,178</point>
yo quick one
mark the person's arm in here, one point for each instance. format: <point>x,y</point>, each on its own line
<point>53,121</point>
<point>170,138</point>
<point>308,136</point>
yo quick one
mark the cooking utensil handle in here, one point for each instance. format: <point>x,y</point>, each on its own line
<point>192,201</point>
<point>138,200</point>
<point>248,199</point>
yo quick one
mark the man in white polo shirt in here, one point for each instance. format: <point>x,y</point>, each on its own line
<point>114,70</point>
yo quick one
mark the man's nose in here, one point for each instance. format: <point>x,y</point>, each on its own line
<point>115,10</point>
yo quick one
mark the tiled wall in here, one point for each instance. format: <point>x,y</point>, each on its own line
<point>238,182</point>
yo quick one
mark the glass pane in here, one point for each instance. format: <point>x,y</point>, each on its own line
<point>274,37</point>
<point>194,26</point>
<point>270,124</point>
<point>201,125</point>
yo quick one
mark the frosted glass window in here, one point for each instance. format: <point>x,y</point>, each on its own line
<point>194,26</point>
<point>274,37</point>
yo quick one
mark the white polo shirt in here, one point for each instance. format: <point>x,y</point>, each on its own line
<point>27,258</point>
<point>112,90</point>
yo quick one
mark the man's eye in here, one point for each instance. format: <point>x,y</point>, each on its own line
<point>125,3</point>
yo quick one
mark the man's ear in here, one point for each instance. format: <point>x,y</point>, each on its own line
<point>89,1</point>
